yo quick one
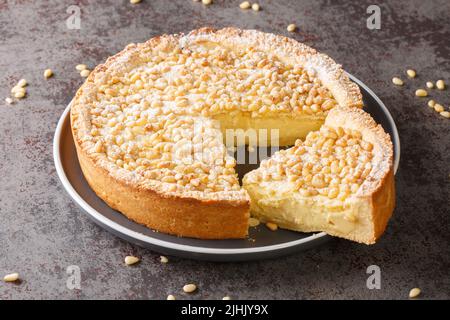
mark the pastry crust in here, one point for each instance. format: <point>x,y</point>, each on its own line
<point>214,215</point>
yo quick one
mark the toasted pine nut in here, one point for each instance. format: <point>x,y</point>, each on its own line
<point>292,27</point>
<point>22,83</point>
<point>206,2</point>
<point>11,277</point>
<point>445,114</point>
<point>411,73</point>
<point>272,226</point>
<point>80,67</point>
<point>440,84</point>
<point>253,222</point>
<point>164,259</point>
<point>8,100</point>
<point>171,297</point>
<point>48,73</point>
<point>430,85</point>
<point>431,103</point>
<point>226,298</point>
<point>414,292</point>
<point>134,1</point>
<point>84,73</point>
<point>244,5</point>
<point>189,288</point>
<point>397,81</point>
<point>438,107</point>
<point>129,260</point>
<point>421,93</point>
<point>255,7</point>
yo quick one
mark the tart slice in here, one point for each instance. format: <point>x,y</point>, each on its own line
<point>339,180</point>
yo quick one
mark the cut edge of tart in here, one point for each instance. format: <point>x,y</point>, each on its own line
<point>195,207</point>
<point>340,180</point>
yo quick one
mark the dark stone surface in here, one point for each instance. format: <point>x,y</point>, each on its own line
<point>42,231</point>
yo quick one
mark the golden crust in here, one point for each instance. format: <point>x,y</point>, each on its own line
<point>156,204</point>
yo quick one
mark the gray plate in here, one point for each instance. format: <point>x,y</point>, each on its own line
<point>261,243</point>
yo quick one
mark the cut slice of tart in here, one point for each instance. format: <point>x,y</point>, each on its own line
<point>135,118</point>
<point>339,180</point>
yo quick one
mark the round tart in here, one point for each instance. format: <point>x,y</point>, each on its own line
<point>149,123</point>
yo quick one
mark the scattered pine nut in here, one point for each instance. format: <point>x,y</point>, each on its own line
<point>206,2</point>
<point>164,259</point>
<point>411,73</point>
<point>445,114</point>
<point>226,298</point>
<point>292,27</point>
<point>440,84</point>
<point>244,5</point>
<point>253,222</point>
<point>8,100</point>
<point>430,85</point>
<point>20,94</point>
<point>397,81</point>
<point>414,293</point>
<point>421,93</point>
<point>431,103</point>
<point>130,260</point>
<point>438,107</point>
<point>134,1</point>
<point>189,288</point>
<point>81,67</point>
<point>84,73</point>
<point>171,297</point>
<point>48,73</point>
<point>22,83</point>
<point>272,226</point>
<point>255,7</point>
<point>11,277</point>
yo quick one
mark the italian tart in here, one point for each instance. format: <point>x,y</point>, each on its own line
<point>149,127</point>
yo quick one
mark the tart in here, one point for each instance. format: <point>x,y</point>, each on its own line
<point>339,180</point>
<point>149,124</point>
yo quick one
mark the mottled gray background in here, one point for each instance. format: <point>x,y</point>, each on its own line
<point>42,231</point>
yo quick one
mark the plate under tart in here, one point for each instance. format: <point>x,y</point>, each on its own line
<point>261,243</point>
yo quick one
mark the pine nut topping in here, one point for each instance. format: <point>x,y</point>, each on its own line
<point>292,27</point>
<point>171,297</point>
<point>164,259</point>
<point>189,288</point>
<point>8,100</point>
<point>414,293</point>
<point>253,222</point>
<point>12,277</point>
<point>244,5</point>
<point>397,81</point>
<point>206,2</point>
<point>226,298</point>
<point>84,73</point>
<point>411,73</point>
<point>430,85</point>
<point>130,260</point>
<point>255,7</point>
<point>438,107</point>
<point>421,93</point>
<point>440,84</point>
<point>431,103</point>
<point>445,114</point>
<point>48,73</point>
<point>135,1</point>
<point>19,94</point>
<point>272,226</point>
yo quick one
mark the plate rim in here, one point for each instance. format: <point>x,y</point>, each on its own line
<point>190,248</point>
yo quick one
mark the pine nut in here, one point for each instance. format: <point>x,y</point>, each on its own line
<point>171,297</point>
<point>81,67</point>
<point>430,85</point>
<point>164,259</point>
<point>134,1</point>
<point>206,2</point>
<point>19,94</point>
<point>253,222</point>
<point>8,100</point>
<point>22,83</point>
<point>397,81</point>
<point>440,84</point>
<point>255,7</point>
<point>48,73</point>
<point>431,103</point>
<point>438,107</point>
<point>445,114</point>
<point>421,93</point>
<point>11,277</point>
<point>244,5</point>
<point>292,27</point>
<point>226,298</point>
<point>189,288</point>
<point>272,226</point>
<point>414,293</point>
<point>130,260</point>
<point>411,73</point>
<point>84,73</point>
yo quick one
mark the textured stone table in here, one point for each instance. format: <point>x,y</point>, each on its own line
<point>42,231</point>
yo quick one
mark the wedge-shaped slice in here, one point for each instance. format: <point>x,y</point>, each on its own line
<point>339,180</point>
